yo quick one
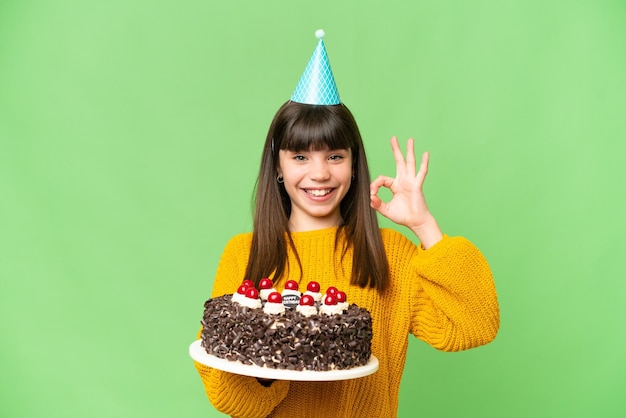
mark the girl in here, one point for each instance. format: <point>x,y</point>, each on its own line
<point>315,219</point>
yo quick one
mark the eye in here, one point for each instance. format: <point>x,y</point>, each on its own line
<point>299,157</point>
<point>336,157</point>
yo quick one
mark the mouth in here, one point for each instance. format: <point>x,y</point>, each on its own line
<point>318,192</point>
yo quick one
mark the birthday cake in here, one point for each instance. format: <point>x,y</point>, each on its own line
<point>288,330</point>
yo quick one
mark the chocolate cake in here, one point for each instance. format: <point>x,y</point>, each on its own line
<point>328,334</point>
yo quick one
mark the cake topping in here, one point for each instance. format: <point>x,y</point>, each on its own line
<point>265,288</point>
<point>248,283</point>
<point>313,287</point>
<point>252,293</point>
<point>342,300</point>
<point>251,299</point>
<point>330,299</point>
<point>330,306</point>
<point>291,294</point>
<point>265,283</point>
<point>274,304</point>
<point>307,306</point>
<point>307,300</point>
<point>291,285</point>
<point>332,290</point>
<point>275,297</point>
<point>240,294</point>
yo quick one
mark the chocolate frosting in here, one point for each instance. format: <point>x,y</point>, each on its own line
<point>290,341</point>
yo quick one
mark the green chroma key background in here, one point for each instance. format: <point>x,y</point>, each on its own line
<point>130,138</point>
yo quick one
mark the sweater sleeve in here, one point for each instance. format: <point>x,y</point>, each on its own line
<point>455,305</point>
<point>232,266</point>
<point>232,394</point>
<point>241,396</point>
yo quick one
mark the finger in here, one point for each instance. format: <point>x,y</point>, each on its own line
<point>380,181</point>
<point>397,155</point>
<point>421,175</point>
<point>410,157</point>
<point>375,201</point>
<point>378,205</point>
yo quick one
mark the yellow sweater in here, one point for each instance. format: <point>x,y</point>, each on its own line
<point>444,295</point>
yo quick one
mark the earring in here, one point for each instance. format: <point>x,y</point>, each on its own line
<point>280,179</point>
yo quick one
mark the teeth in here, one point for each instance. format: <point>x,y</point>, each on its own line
<point>319,193</point>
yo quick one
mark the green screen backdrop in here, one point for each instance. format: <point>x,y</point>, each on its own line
<point>130,137</point>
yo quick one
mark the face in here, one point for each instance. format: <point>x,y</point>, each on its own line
<point>316,182</point>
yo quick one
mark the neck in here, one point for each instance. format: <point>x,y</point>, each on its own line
<point>311,225</point>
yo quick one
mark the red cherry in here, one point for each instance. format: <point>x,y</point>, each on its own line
<point>330,300</point>
<point>265,283</point>
<point>291,285</point>
<point>274,297</point>
<point>248,283</point>
<point>252,293</point>
<point>332,290</point>
<point>341,297</point>
<point>313,287</point>
<point>307,300</point>
<point>242,289</point>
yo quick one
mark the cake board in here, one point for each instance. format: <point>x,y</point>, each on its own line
<point>199,354</point>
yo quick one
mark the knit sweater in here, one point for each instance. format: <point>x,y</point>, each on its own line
<point>444,296</point>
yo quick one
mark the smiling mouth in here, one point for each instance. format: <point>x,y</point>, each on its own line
<point>318,192</point>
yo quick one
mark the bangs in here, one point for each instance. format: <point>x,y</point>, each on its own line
<point>318,128</point>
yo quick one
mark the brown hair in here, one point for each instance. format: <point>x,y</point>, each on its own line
<point>300,127</point>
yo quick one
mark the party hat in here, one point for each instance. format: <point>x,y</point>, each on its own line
<point>317,84</point>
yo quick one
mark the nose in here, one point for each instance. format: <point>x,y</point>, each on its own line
<point>319,170</point>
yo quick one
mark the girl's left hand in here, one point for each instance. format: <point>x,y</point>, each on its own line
<point>408,205</point>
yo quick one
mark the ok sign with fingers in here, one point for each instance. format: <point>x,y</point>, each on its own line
<point>407,206</point>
